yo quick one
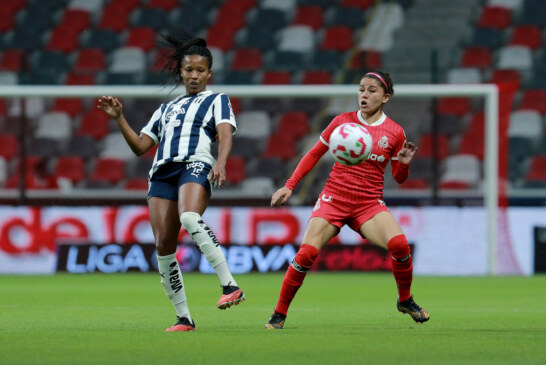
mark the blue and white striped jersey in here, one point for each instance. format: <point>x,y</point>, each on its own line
<point>185,127</point>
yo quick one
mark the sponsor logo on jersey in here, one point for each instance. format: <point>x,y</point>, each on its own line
<point>381,202</point>
<point>374,157</point>
<point>383,142</point>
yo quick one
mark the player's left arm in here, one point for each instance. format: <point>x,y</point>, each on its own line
<point>225,142</point>
<point>226,127</point>
<point>400,164</point>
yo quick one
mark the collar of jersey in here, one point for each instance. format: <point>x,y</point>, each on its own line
<point>204,92</point>
<point>379,121</point>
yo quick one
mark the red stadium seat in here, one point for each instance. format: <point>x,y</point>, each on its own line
<point>473,139</point>
<point>109,170</point>
<point>124,5</point>
<point>136,183</point>
<point>479,57</point>
<point>235,169</point>
<point>13,60</point>
<point>114,19</point>
<point>230,18</point>
<point>247,59</point>
<point>309,15</point>
<point>79,79</point>
<point>534,100</point>
<point>338,38</point>
<point>3,107</point>
<point>63,40</point>
<point>537,171</point>
<point>361,4</point>
<point>317,78</point>
<point>414,184</point>
<point>12,6</point>
<point>70,167</point>
<point>454,185</point>
<point>511,76</point>
<point>221,38</point>
<point>90,60</point>
<point>163,4</point>
<point>366,60</point>
<point>72,107</point>
<point>76,20</point>
<point>295,124</point>
<point>495,17</point>
<point>7,21</point>
<point>235,105</point>
<point>526,35</point>
<point>280,146</point>
<point>95,123</point>
<point>454,106</point>
<point>276,78</point>
<point>8,146</point>
<point>141,37</point>
<point>240,4</point>
<point>426,147</point>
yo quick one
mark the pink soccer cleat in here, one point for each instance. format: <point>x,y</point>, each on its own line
<point>182,325</point>
<point>231,295</point>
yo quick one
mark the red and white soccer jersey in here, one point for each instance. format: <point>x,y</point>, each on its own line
<point>364,181</point>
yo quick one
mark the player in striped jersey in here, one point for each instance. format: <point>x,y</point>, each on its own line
<point>353,195</point>
<point>184,171</point>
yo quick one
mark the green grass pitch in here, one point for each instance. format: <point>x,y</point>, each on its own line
<point>336,318</point>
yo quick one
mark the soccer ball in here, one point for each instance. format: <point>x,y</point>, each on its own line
<point>350,144</point>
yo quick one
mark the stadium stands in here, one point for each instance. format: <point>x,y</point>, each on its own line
<point>113,42</point>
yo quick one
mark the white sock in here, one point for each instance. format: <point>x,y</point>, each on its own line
<point>171,279</point>
<point>209,246</point>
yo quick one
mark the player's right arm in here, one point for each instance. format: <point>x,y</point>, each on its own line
<point>139,143</point>
<point>304,166</point>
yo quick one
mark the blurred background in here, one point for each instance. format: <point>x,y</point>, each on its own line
<point>62,160</point>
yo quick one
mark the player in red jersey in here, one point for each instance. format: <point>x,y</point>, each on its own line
<point>353,196</point>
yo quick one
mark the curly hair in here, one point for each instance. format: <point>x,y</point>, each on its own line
<point>178,43</point>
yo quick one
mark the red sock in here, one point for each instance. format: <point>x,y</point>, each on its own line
<point>294,276</point>
<point>402,267</point>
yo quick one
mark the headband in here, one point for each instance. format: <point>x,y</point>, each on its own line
<point>380,79</point>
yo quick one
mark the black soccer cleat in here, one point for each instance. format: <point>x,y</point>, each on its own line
<point>276,321</point>
<point>418,314</point>
<point>182,325</point>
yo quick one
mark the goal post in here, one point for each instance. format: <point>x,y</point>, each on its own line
<point>488,91</point>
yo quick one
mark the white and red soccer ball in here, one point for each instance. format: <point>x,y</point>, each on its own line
<point>350,144</point>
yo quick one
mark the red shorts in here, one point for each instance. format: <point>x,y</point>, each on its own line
<point>352,214</point>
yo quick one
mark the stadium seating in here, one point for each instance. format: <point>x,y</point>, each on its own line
<point>279,42</point>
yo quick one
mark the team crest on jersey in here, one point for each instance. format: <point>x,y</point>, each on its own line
<point>383,142</point>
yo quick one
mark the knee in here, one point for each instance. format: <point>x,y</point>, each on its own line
<point>399,247</point>
<point>189,219</point>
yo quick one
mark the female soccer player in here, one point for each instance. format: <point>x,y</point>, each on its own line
<point>353,196</point>
<point>184,171</point>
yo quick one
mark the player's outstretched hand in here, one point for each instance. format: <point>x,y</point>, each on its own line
<point>110,105</point>
<point>407,152</point>
<point>281,196</point>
